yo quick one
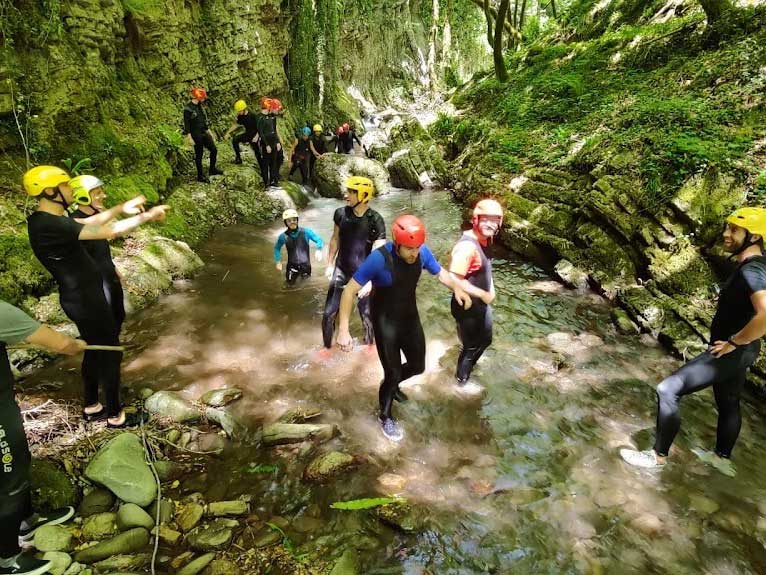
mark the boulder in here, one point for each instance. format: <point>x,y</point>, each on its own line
<point>53,538</point>
<point>171,405</point>
<point>50,486</point>
<point>220,397</point>
<point>131,515</point>
<point>328,465</point>
<point>213,536</point>
<point>222,508</point>
<point>332,170</point>
<point>97,500</point>
<point>124,543</point>
<point>120,466</point>
<point>194,567</point>
<point>234,428</point>
<point>189,516</point>
<point>99,526</point>
<point>222,567</point>
<point>124,562</point>
<point>284,433</point>
<point>348,564</point>
<point>60,562</point>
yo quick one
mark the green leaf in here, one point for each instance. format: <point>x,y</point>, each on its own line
<point>262,468</point>
<point>358,504</point>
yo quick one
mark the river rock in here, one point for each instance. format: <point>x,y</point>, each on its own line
<point>167,511</point>
<point>266,539</point>
<point>222,567</point>
<point>348,564</point>
<point>167,535</point>
<point>124,543</point>
<point>74,569</point>
<point>99,526</point>
<point>306,524</point>
<point>98,500</point>
<point>284,433</point>
<point>208,443</point>
<point>120,466</point>
<point>131,515</point>
<point>50,486</point>
<point>173,435</point>
<point>197,565</point>
<point>124,562</point>
<point>702,504</point>
<point>332,170</point>
<point>623,323</point>
<point>53,538</point>
<point>234,428</point>
<point>146,393</point>
<point>222,508</point>
<point>171,405</point>
<point>167,470</point>
<point>401,516</point>
<point>328,465</point>
<point>213,536</point>
<point>189,516</point>
<point>220,397</point>
<point>300,414</point>
<point>60,562</point>
<point>570,275</point>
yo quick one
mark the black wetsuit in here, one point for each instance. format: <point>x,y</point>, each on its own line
<point>55,242</point>
<point>474,325</point>
<point>101,254</point>
<point>397,328</point>
<point>250,123</point>
<point>298,256</point>
<point>320,145</point>
<point>726,374</point>
<point>355,239</point>
<point>270,161</point>
<point>301,155</point>
<point>196,124</point>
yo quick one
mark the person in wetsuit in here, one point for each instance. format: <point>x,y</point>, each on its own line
<point>88,194</point>
<point>17,519</point>
<point>197,131</point>
<point>346,139</point>
<point>470,262</point>
<point>738,325</point>
<point>358,230</point>
<point>394,270</point>
<point>248,121</point>
<point>275,111</point>
<point>318,144</point>
<point>296,240</point>
<point>56,241</point>
<point>301,153</point>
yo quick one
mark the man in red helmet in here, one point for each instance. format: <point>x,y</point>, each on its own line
<point>346,137</point>
<point>471,263</point>
<point>394,270</point>
<point>198,134</point>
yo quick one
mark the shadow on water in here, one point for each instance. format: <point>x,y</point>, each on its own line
<point>521,477</point>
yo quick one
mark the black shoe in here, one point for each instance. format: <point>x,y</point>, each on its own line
<point>461,382</point>
<point>400,396</point>
<point>275,183</point>
<point>131,420</point>
<point>28,528</point>
<point>97,416</point>
<point>237,160</point>
<point>26,565</point>
<point>203,179</point>
<point>215,172</point>
<point>391,429</point>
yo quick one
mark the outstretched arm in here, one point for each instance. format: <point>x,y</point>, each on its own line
<point>455,285</point>
<point>131,207</point>
<point>344,313</point>
<point>115,229</point>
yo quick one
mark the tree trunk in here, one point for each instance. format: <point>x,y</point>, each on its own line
<point>488,16</point>
<point>523,15</point>
<point>714,10</point>
<point>497,47</point>
<point>553,9</point>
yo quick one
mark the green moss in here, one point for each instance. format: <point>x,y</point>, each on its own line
<point>125,187</point>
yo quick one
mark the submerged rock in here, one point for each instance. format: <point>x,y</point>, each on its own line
<point>222,567</point>
<point>300,414</point>
<point>332,170</point>
<point>124,562</point>
<point>99,526</point>
<point>328,465</point>
<point>97,500</point>
<point>60,562</point>
<point>50,486</point>
<point>53,538</point>
<point>131,515</point>
<point>213,536</point>
<point>220,397</point>
<point>167,535</point>
<point>124,543</point>
<point>167,511</point>
<point>194,567</point>
<point>173,406</point>
<point>120,466</point>
<point>167,470</point>
<point>222,508</point>
<point>234,428</point>
<point>348,564</point>
<point>401,516</point>
<point>189,516</point>
<point>284,433</point>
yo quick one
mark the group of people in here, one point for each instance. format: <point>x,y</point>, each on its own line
<point>259,131</point>
<point>382,277</point>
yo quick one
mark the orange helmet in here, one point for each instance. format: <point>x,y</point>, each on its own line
<point>265,103</point>
<point>199,94</point>
<point>345,127</point>
<point>276,105</point>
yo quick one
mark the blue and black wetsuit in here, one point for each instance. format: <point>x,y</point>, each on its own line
<point>298,252</point>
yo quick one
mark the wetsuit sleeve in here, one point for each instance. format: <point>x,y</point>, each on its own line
<point>755,277</point>
<point>371,269</point>
<point>358,141</point>
<point>313,237</point>
<point>187,121</point>
<point>463,256</point>
<point>15,325</point>
<point>429,261</point>
<point>337,217</point>
<point>278,247</point>
<point>378,230</point>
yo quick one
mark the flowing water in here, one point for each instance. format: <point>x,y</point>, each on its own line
<point>521,476</point>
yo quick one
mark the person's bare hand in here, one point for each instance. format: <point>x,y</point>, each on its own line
<point>74,346</point>
<point>134,206</point>
<point>157,213</point>
<point>344,341</point>
<point>721,348</point>
<point>463,299</point>
<point>365,291</point>
<point>279,266</point>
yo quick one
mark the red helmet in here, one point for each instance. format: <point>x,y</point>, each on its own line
<point>340,131</point>
<point>265,103</point>
<point>199,94</point>
<point>345,127</point>
<point>276,105</point>
<point>409,231</point>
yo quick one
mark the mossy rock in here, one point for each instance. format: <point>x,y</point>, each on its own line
<point>332,170</point>
<point>681,269</point>
<point>51,487</point>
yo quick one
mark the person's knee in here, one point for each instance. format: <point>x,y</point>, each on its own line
<point>667,390</point>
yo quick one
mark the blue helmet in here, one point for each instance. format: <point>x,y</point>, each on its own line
<point>306,131</point>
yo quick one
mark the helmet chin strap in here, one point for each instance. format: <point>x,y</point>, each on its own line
<point>57,194</point>
<point>745,244</point>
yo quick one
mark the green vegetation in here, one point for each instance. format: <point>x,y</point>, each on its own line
<point>370,503</point>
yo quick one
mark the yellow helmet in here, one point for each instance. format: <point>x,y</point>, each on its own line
<point>752,219</point>
<point>82,187</point>
<point>318,128</point>
<point>290,213</point>
<point>41,178</point>
<point>363,186</point>
<point>240,105</point>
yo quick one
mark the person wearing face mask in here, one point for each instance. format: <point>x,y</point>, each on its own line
<point>56,241</point>
<point>394,270</point>
<point>471,263</point>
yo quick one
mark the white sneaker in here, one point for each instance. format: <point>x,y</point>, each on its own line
<point>647,459</point>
